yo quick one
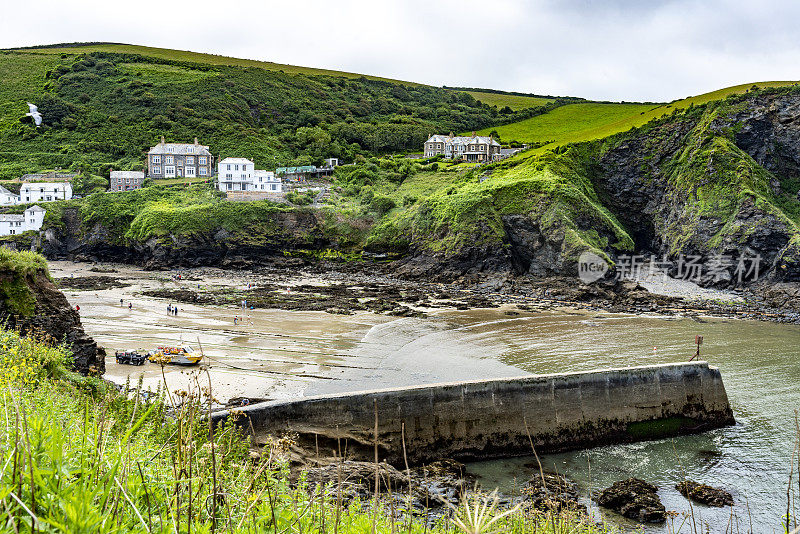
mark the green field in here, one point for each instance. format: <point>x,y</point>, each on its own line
<point>571,123</point>
<point>515,102</point>
<point>587,121</point>
<point>198,57</point>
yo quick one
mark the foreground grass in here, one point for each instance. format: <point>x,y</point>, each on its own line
<point>77,456</point>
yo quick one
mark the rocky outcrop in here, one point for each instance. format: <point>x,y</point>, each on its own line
<point>704,494</point>
<point>635,499</point>
<point>54,317</point>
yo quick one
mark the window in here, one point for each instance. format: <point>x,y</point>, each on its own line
<point>190,149</point>
<point>190,160</point>
<point>236,167</point>
<point>201,160</point>
<point>13,232</point>
<point>171,150</point>
<point>49,197</point>
<point>156,159</point>
<point>229,175</point>
<point>170,160</point>
<point>127,180</point>
<point>203,171</point>
<point>189,171</point>
<point>228,167</point>
<point>157,169</point>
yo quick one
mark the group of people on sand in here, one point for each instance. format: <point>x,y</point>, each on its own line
<point>172,310</point>
<point>122,303</point>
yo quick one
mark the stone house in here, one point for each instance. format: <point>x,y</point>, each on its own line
<point>125,180</point>
<point>179,160</point>
<point>474,148</point>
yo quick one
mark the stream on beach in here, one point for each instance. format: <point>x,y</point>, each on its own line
<point>277,354</point>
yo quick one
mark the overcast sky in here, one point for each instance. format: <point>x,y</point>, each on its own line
<point>605,50</point>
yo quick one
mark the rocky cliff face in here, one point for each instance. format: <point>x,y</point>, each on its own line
<point>296,230</point>
<point>52,315</point>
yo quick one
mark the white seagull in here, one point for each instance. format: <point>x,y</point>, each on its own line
<point>34,114</point>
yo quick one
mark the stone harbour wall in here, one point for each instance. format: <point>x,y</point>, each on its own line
<point>500,417</point>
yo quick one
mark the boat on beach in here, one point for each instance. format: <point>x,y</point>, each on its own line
<point>183,355</point>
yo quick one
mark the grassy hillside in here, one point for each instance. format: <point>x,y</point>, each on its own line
<point>104,109</point>
<point>198,57</point>
<point>587,121</point>
<point>515,102</point>
<point>572,123</point>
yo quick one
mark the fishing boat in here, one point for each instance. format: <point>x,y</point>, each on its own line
<point>183,355</point>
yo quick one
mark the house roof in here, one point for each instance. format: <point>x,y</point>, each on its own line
<point>236,160</point>
<point>463,140</point>
<point>9,217</point>
<point>36,208</point>
<point>295,170</point>
<point>127,174</point>
<point>180,149</point>
<point>5,191</point>
<point>46,185</point>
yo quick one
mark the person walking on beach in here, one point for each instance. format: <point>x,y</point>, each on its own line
<point>175,311</point>
<point>130,306</point>
<point>235,320</point>
<point>121,302</point>
<point>169,309</point>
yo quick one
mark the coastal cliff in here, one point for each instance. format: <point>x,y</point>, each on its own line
<point>31,303</point>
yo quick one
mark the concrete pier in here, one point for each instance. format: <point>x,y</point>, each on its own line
<point>497,418</point>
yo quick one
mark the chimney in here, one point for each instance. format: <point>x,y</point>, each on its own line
<point>451,135</point>
<point>162,139</point>
<point>195,141</point>
<point>473,133</point>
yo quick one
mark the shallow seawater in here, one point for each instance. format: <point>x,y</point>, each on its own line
<point>280,354</point>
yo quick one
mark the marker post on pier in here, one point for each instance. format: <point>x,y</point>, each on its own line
<point>698,340</point>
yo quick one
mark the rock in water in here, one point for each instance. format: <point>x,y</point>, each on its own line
<point>554,492</point>
<point>635,499</point>
<point>704,494</point>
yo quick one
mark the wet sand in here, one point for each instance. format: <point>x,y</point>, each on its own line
<point>273,354</point>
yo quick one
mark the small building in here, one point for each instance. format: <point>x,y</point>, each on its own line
<point>235,174</point>
<point>7,198</point>
<point>15,223</point>
<point>267,181</point>
<point>126,180</point>
<point>297,173</point>
<point>332,162</point>
<point>45,192</point>
<point>179,160</point>
<point>474,148</point>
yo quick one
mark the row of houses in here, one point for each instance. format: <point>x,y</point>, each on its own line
<point>36,192</point>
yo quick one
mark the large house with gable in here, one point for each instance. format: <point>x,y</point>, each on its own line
<point>179,160</point>
<point>473,148</point>
<point>17,223</point>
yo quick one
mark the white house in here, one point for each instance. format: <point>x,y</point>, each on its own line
<point>475,148</point>
<point>235,174</point>
<point>240,174</point>
<point>45,192</point>
<point>15,224</point>
<point>266,181</point>
<point>7,198</point>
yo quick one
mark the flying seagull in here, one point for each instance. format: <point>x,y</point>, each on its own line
<point>34,114</point>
